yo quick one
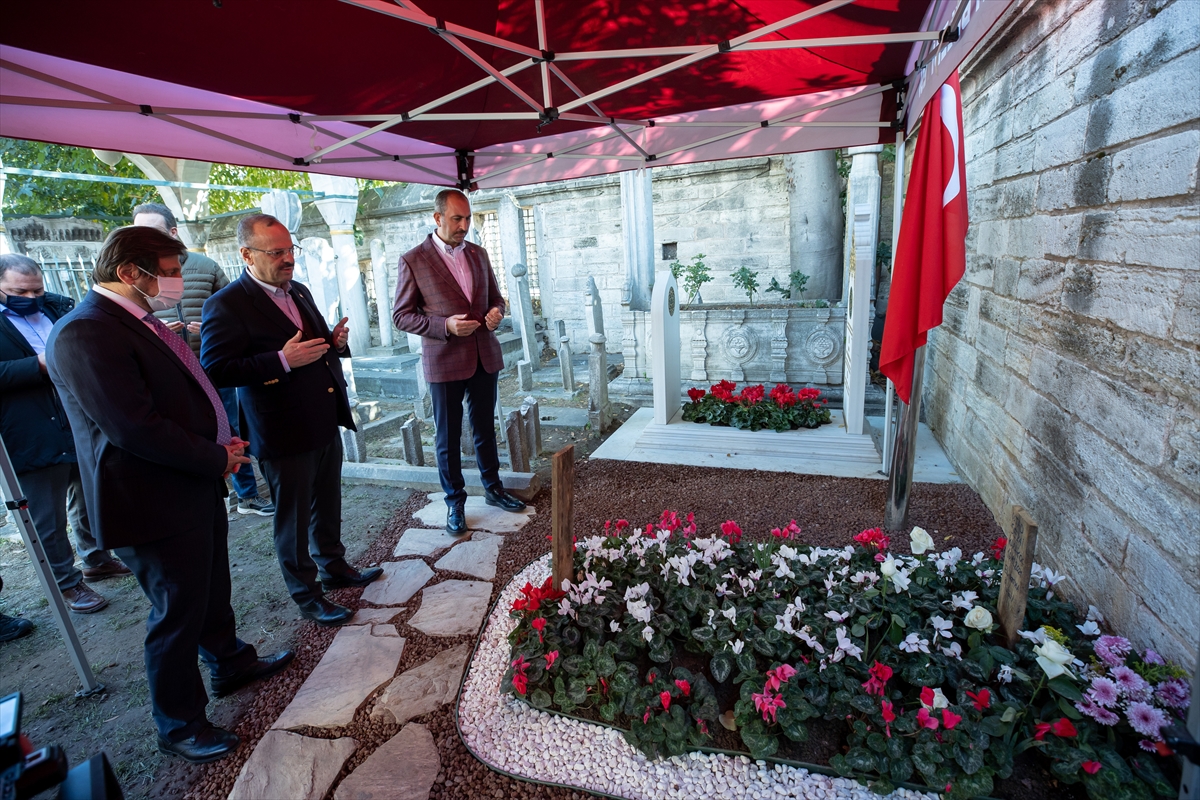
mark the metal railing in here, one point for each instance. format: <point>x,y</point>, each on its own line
<point>69,277</point>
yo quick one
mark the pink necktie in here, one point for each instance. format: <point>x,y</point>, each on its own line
<point>180,348</point>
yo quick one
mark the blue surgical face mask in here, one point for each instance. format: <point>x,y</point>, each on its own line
<point>24,306</point>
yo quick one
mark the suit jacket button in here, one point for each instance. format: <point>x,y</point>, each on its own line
<point>331,390</point>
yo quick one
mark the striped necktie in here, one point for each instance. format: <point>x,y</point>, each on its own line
<point>180,348</point>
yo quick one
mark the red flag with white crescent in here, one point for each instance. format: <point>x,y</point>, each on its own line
<point>931,253</point>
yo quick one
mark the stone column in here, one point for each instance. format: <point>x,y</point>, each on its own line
<point>816,221</point>
<point>522,312</point>
<point>637,221</point>
<point>664,359</point>
<point>512,237</point>
<point>862,189</point>
<point>285,207</point>
<point>599,413</point>
<point>858,318</point>
<point>338,208</point>
<point>319,264</point>
<point>383,298</point>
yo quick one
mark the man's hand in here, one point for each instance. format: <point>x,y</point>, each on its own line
<point>233,452</point>
<point>42,363</point>
<point>461,325</point>
<point>174,327</point>
<point>340,334</point>
<point>193,327</point>
<point>300,353</point>
<point>493,319</point>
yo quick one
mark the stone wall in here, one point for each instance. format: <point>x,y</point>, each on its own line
<point>1066,377</point>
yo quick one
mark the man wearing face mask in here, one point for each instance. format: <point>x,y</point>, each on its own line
<point>38,436</point>
<point>154,448</point>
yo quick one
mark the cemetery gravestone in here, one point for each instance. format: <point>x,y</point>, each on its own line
<point>1014,584</point>
<point>564,363</point>
<point>593,311</point>
<point>664,359</point>
<point>522,309</point>
<point>516,451</point>
<point>599,413</point>
<point>531,427</point>
<point>410,434</point>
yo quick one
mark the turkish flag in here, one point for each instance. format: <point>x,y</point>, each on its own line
<point>931,254</point>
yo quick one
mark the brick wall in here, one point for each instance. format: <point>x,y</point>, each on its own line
<point>1066,376</point>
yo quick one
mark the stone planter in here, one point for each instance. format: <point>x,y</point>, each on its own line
<point>768,344</point>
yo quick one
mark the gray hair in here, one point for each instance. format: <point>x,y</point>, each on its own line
<point>443,199</point>
<point>160,210</point>
<point>22,265</point>
<point>247,224</point>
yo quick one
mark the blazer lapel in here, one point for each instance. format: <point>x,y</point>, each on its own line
<point>307,309</point>
<point>437,264</point>
<point>11,332</point>
<point>266,306</point>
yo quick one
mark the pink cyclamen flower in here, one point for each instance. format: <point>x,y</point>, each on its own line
<point>1103,691</point>
<point>732,531</point>
<point>1173,693</point>
<point>1091,767</point>
<point>646,716</point>
<point>1145,719</point>
<point>684,687</point>
<point>551,657</point>
<point>950,719</point>
<point>768,704</point>
<point>924,720</point>
<point>665,697</point>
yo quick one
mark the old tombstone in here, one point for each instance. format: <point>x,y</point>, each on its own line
<point>599,412</point>
<point>562,547</point>
<point>410,435</point>
<point>531,427</point>
<point>593,310</point>
<point>560,329</point>
<point>522,308</point>
<point>423,406</point>
<point>467,437</point>
<point>525,375</point>
<point>564,363</point>
<point>664,357</point>
<point>1014,584</point>
<point>516,449</point>
<point>383,299</point>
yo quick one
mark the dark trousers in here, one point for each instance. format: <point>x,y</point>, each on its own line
<point>186,579</point>
<point>243,480</point>
<point>47,491</point>
<point>307,491</point>
<point>480,393</point>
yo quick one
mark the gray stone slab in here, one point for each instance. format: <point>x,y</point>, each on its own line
<point>286,764</point>
<point>360,660</point>
<point>373,616</point>
<point>394,472</point>
<point>452,608</point>
<point>425,542</point>
<point>473,558</point>
<point>424,688</point>
<point>480,516</point>
<point>400,581</point>
<point>564,417</point>
<point>403,768</point>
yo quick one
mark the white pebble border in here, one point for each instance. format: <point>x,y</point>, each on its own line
<point>513,737</point>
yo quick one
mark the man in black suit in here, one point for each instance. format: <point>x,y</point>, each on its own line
<point>38,437</point>
<point>263,334</point>
<point>154,448</point>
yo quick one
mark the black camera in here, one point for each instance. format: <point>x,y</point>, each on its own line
<point>22,776</point>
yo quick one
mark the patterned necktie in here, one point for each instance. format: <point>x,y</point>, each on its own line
<point>180,348</point>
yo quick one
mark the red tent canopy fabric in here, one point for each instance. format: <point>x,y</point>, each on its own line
<point>472,92</point>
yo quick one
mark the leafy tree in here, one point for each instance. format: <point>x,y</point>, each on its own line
<point>221,201</point>
<point>110,202</point>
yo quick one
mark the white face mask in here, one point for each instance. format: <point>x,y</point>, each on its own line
<point>170,292</point>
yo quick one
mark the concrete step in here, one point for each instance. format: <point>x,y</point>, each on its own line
<point>387,376</point>
<point>398,349</point>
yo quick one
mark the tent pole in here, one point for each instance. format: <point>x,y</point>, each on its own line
<point>895,516</point>
<point>897,213</point>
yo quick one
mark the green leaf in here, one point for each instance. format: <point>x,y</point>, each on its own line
<point>876,742</point>
<point>605,665</point>
<point>721,666</point>
<point>970,759</point>
<point>858,631</point>
<point>608,711</point>
<point>862,760</point>
<point>838,762</point>
<point>746,662</point>
<point>703,634</point>
<point>540,698</point>
<point>1066,687</point>
<point>1068,710</point>
<point>901,769</point>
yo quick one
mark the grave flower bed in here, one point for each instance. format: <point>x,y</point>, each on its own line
<point>753,409</point>
<point>668,634</point>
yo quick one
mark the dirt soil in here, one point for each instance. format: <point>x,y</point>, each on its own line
<point>118,721</point>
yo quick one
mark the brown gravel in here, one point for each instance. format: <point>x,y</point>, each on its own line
<point>829,510</point>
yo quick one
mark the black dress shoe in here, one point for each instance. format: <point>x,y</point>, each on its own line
<point>263,668</point>
<point>456,519</point>
<point>325,612</point>
<point>207,745</point>
<point>503,499</point>
<point>351,577</point>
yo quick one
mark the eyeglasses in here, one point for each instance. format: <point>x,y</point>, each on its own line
<point>294,250</point>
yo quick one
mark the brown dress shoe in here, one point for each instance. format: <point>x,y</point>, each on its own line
<point>112,569</point>
<point>83,599</point>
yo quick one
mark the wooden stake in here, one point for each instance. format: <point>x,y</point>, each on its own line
<point>562,547</point>
<point>1014,585</point>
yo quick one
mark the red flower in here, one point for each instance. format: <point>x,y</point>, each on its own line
<point>723,390</point>
<point>873,537</point>
<point>889,716</point>
<point>703,726</point>
<point>981,700</point>
<point>926,721</point>
<point>1063,728</point>
<point>998,548</point>
<point>551,657</point>
<point>783,395</point>
<point>730,530</point>
<point>790,531</point>
<point>520,682</point>
<point>665,697</point>
<point>1091,767</point>
<point>927,697</point>
<point>950,719</point>
<point>752,395</point>
<point>646,716</point>
<point>880,675</point>
<point>1040,730</point>
<point>622,525</point>
<point>669,521</point>
<point>696,395</point>
<point>684,687</point>
<point>808,394</point>
<point>539,624</point>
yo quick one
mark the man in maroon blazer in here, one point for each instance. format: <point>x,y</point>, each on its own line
<point>447,294</point>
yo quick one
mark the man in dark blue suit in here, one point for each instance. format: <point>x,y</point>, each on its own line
<point>263,334</point>
<point>154,448</point>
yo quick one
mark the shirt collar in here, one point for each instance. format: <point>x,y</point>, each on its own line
<point>278,291</point>
<point>449,249</point>
<point>123,302</point>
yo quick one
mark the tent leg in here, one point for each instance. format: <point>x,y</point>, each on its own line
<point>15,500</point>
<point>900,476</point>
<point>887,428</point>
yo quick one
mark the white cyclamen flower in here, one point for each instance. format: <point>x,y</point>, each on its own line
<point>648,633</point>
<point>901,581</point>
<point>737,646</point>
<point>1006,674</point>
<point>845,645</point>
<point>914,643</point>
<point>1037,637</point>
<point>729,613</point>
<point>953,651</point>
<point>939,700</point>
<point>978,618</point>
<point>1089,628</point>
<point>942,627</point>
<point>614,626</point>
<point>920,541</point>
<point>836,617</point>
<point>965,600</point>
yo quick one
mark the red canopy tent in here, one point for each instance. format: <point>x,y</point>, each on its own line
<point>475,93</point>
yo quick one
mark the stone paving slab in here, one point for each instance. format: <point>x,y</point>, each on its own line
<point>400,581</point>
<point>480,516</point>
<point>424,542</point>
<point>360,660</point>
<point>403,768</point>
<point>423,688</point>
<point>452,608</point>
<point>373,616</point>
<point>473,558</point>
<point>289,765</point>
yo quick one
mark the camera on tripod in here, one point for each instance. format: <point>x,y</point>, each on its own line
<point>24,775</point>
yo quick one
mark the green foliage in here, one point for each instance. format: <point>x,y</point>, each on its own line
<point>795,287</point>
<point>694,275</point>
<point>746,279</point>
<point>221,201</point>
<point>108,202</point>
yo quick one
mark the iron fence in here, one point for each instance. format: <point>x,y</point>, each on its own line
<point>70,277</point>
